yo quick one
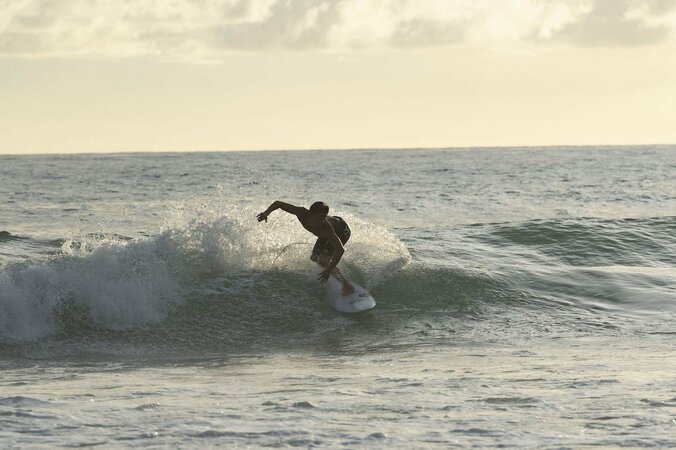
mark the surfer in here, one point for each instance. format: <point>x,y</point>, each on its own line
<point>332,233</point>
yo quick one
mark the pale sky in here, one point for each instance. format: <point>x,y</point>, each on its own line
<point>200,75</point>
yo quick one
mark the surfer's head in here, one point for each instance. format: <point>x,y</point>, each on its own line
<point>319,211</point>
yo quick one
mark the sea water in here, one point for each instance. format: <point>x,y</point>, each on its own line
<point>526,298</point>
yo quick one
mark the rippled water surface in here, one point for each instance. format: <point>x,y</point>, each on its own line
<point>526,298</point>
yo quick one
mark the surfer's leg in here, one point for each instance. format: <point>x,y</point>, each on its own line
<point>323,261</point>
<point>321,254</point>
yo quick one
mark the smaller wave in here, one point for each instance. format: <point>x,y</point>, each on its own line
<point>20,401</point>
<point>20,248</point>
<point>590,241</point>
<point>6,236</point>
<point>30,242</point>
<point>623,266</point>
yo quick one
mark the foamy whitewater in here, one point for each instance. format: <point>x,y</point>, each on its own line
<point>526,298</point>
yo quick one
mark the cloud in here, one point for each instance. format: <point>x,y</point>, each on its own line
<point>621,23</point>
<point>288,24</point>
<point>426,32</point>
<point>203,29</point>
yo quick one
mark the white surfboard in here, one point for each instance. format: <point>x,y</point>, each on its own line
<point>359,300</point>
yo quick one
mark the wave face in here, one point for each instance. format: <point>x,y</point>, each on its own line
<point>219,284</point>
<point>216,276</point>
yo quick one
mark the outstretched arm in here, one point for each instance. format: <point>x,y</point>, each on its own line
<point>291,209</point>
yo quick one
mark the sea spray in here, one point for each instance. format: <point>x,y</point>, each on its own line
<point>117,283</point>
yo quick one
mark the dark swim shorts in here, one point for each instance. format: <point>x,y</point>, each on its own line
<point>324,248</point>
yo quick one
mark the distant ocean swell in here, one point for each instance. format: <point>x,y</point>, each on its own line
<point>623,266</point>
<point>226,280</point>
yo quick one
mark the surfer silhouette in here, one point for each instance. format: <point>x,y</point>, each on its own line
<point>332,233</point>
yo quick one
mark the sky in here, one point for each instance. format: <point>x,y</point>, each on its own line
<point>216,75</point>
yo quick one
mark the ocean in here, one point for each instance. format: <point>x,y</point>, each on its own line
<point>526,298</point>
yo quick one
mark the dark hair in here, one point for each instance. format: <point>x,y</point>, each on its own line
<point>319,208</point>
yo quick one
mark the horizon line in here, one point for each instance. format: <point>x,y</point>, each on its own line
<point>345,149</point>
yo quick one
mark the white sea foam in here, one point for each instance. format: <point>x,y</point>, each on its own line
<point>120,285</point>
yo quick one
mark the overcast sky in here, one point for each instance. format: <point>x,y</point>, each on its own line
<point>169,75</point>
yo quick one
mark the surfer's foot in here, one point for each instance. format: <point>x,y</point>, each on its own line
<point>347,289</point>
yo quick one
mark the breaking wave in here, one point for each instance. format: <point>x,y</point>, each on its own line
<point>224,283</point>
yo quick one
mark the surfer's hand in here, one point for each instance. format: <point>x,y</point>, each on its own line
<point>324,276</point>
<point>262,216</point>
